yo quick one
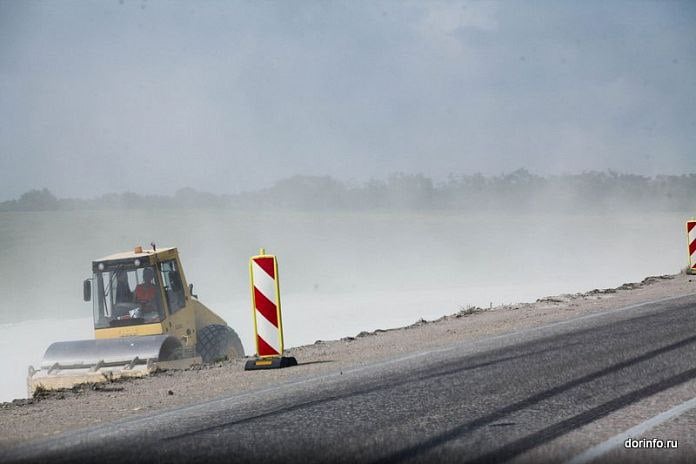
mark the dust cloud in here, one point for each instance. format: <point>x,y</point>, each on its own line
<point>340,272</point>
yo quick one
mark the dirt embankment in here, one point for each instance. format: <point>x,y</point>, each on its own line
<point>51,414</point>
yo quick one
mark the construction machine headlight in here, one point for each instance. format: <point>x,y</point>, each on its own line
<point>101,266</point>
<point>136,262</point>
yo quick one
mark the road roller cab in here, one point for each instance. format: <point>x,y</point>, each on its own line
<point>143,292</point>
<point>145,317</point>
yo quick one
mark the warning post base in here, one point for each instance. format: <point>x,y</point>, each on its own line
<point>270,363</point>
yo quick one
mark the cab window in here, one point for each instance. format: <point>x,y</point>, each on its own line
<point>173,287</point>
<point>127,297</point>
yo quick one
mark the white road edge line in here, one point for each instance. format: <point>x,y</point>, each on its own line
<point>596,451</point>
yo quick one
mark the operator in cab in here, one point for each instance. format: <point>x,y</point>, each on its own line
<point>146,292</point>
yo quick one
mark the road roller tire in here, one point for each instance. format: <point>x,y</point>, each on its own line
<point>218,342</point>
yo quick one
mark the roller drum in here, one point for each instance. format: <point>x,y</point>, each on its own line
<point>112,351</point>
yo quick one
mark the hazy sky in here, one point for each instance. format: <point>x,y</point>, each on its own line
<point>149,96</point>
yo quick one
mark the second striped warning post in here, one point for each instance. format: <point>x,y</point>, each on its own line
<point>691,245</point>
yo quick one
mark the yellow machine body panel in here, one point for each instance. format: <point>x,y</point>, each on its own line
<point>129,331</point>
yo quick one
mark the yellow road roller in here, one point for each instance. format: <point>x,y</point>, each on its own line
<point>145,318</point>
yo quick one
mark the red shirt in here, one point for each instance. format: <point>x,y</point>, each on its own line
<point>145,293</point>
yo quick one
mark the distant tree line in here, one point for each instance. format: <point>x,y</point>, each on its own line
<point>517,191</point>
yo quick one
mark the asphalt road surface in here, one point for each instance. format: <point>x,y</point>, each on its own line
<point>488,401</point>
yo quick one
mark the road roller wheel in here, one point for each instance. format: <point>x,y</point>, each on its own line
<point>217,342</point>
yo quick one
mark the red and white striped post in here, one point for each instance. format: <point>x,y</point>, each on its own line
<point>268,323</point>
<point>691,242</point>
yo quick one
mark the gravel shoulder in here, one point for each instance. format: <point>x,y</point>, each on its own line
<point>81,407</point>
